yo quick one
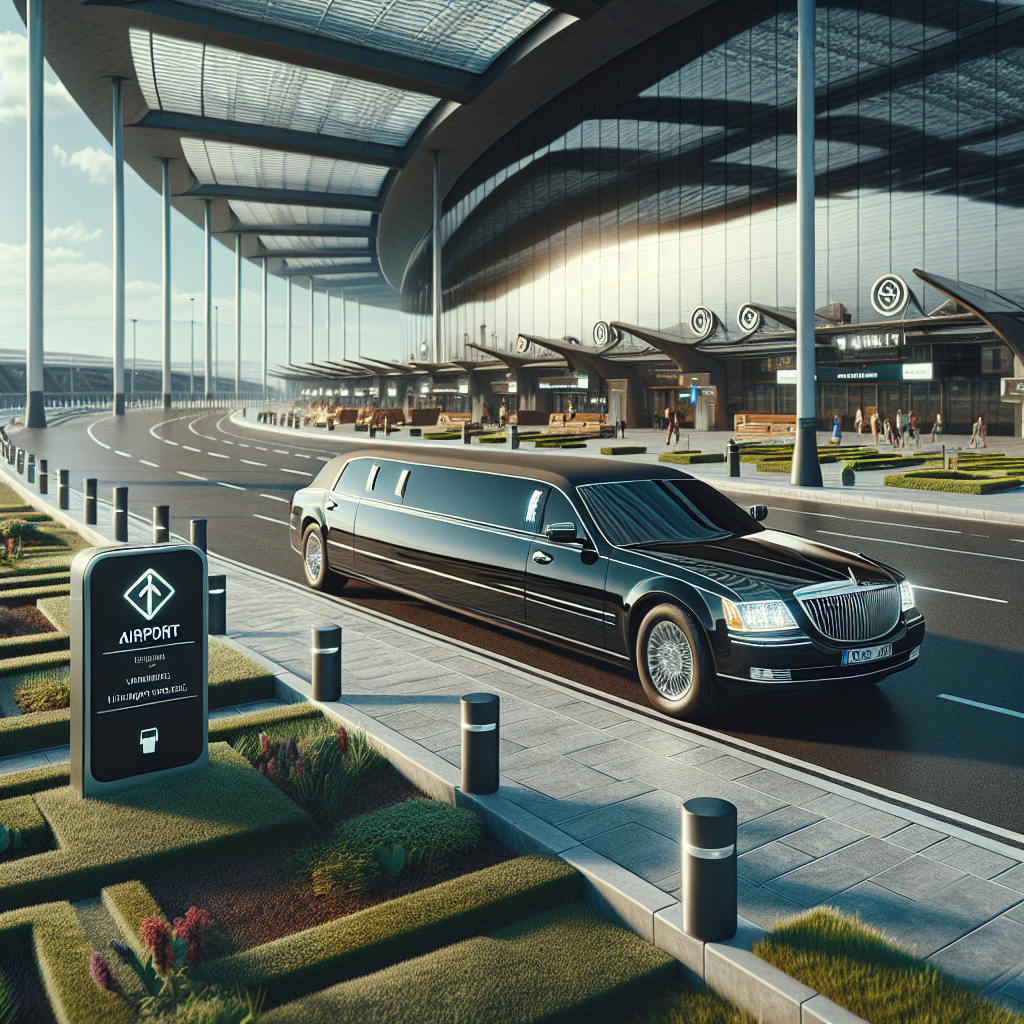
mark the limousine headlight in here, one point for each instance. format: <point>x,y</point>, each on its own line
<point>906,596</point>
<point>747,616</point>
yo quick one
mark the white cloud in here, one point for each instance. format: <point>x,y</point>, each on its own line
<point>96,164</point>
<point>72,233</point>
<point>13,75</point>
<point>60,155</point>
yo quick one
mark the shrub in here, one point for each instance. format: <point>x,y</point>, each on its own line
<point>44,691</point>
<point>624,450</point>
<point>8,1008</point>
<point>954,485</point>
<point>691,458</point>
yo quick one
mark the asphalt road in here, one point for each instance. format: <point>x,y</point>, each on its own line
<point>949,732</point>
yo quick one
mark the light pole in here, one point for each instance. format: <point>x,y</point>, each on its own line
<point>192,347</point>
<point>135,353</point>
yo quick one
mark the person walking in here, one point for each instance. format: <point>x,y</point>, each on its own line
<point>502,415</point>
<point>673,425</point>
<point>874,426</point>
<point>837,432</point>
<point>937,426</point>
<point>859,421</point>
<point>914,434</point>
<point>978,434</point>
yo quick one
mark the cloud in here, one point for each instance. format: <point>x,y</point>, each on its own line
<point>60,155</point>
<point>57,100</point>
<point>74,233</point>
<point>96,164</point>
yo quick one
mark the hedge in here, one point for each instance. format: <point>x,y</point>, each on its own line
<point>34,780</point>
<point>500,439</point>
<point>41,579</point>
<point>129,904</point>
<point>35,643</point>
<point>37,566</point>
<point>858,465</point>
<point>32,594</point>
<point>57,610</point>
<point>22,734</point>
<point>624,450</point>
<point>407,926</point>
<point>22,813</point>
<point>568,964</point>
<point>765,466</point>
<point>987,486</point>
<point>145,831</point>
<point>690,458</point>
<point>448,435</point>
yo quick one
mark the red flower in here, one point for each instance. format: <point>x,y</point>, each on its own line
<point>342,739</point>
<point>192,929</point>
<point>264,744</point>
<point>156,935</point>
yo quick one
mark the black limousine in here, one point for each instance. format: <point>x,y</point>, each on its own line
<point>638,563</point>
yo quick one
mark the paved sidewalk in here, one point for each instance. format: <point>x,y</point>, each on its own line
<point>605,778</point>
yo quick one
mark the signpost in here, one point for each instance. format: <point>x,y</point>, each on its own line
<point>139,701</point>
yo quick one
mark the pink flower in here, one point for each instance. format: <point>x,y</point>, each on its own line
<point>264,744</point>
<point>192,929</point>
<point>156,935</point>
<point>101,973</point>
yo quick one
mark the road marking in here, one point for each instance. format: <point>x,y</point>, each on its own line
<point>259,449</point>
<point>274,497</point>
<point>298,456</point>
<point>189,448</point>
<point>875,522</point>
<point>95,438</point>
<point>978,704</point>
<point>324,458</point>
<point>175,443</point>
<point>240,445</point>
<point>249,462</point>
<point>146,463</point>
<point>126,455</point>
<point>929,547</point>
<point>302,472</point>
<point>224,440</point>
<point>234,487</point>
<point>192,476</point>
<point>270,519</point>
<point>956,593</point>
<point>279,451</point>
<point>218,455</point>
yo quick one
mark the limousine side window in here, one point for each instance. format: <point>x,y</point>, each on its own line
<point>353,478</point>
<point>385,485</point>
<point>558,510</point>
<point>480,497</point>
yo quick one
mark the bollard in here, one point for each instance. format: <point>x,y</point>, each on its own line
<point>161,524</point>
<point>298,423</point>
<point>31,469</point>
<point>387,427</point>
<point>733,453</point>
<point>21,460</point>
<point>330,422</point>
<point>217,606</point>
<point>44,477</point>
<point>197,534</point>
<point>480,743</point>
<point>326,642</point>
<point>373,430</point>
<point>90,499</point>
<point>709,869</point>
<point>466,436</point>
<point>10,454</point>
<point>121,514</point>
<point>513,437</point>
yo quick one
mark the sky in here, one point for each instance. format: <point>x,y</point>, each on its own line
<point>78,283</point>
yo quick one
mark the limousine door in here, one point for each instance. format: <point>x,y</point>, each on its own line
<point>565,583</point>
<point>340,508</point>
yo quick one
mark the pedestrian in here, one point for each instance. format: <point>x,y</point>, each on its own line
<point>937,426</point>
<point>485,416</point>
<point>915,436</point>
<point>902,427</point>
<point>673,426</point>
<point>978,434</point>
<point>837,433</point>
<point>502,415</point>
<point>874,425</point>
<point>890,434</point>
<point>859,421</point>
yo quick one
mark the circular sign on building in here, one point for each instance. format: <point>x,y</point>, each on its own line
<point>889,295</point>
<point>522,345</point>
<point>601,333</point>
<point>748,318</point>
<point>702,323</point>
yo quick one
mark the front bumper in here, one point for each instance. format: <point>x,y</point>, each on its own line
<point>813,664</point>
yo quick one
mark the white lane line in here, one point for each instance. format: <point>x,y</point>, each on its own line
<point>240,445</point>
<point>234,487</point>
<point>302,472</point>
<point>249,462</point>
<point>95,438</point>
<point>978,704</point>
<point>126,455</point>
<point>298,456</point>
<point>147,463</point>
<point>189,448</point>
<point>274,497</point>
<point>225,441</point>
<point>259,449</point>
<point>175,443</point>
<point>324,458</point>
<point>218,455</point>
<point>269,519</point>
<point>957,593</point>
<point>192,476</point>
<point>929,547</point>
<point>279,451</point>
<point>874,522</point>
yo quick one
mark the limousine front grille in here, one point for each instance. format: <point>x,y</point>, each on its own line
<point>861,614</point>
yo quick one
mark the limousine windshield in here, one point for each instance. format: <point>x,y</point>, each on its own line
<point>647,513</point>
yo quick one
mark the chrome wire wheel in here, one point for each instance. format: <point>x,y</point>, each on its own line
<point>669,660</point>
<point>314,555</point>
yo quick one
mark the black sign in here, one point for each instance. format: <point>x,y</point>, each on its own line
<point>139,663</point>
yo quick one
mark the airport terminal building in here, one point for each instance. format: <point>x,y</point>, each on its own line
<point>615,186</point>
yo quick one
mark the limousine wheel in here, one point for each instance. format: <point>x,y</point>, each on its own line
<point>675,664</point>
<point>314,558</point>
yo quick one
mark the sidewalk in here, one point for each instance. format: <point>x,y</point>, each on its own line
<point>597,781</point>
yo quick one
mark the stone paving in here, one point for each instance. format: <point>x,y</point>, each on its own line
<point>612,780</point>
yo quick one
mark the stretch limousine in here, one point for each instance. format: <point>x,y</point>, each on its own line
<point>638,563</point>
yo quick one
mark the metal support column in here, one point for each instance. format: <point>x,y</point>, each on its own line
<point>327,322</point>
<point>359,330</point>
<point>435,291</point>
<point>288,321</point>
<point>311,294</point>
<point>344,322</point>
<point>265,328</point>
<point>35,414</point>
<point>806,471</point>
<point>165,352</point>
<point>238,313</point>
<point>117,113</point>
<point>208,283</point>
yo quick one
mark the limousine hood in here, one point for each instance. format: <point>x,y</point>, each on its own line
<point>781,560</point>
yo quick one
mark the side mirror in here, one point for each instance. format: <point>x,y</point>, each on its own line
<point>758,512</point>
<point>561,533</point>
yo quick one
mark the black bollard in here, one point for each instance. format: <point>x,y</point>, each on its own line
<point>732,450</point>
<point>31,469</point>
<point>326,650</point>
<point>480,743</point>
<point>62,489</point>
<point>709,869</point>
<point>121,514</point>
<point>466,436</point>
<point>161,524</point>
<point>217,607</point>
<point>44,477</point>
<point>89,486</point>
<point>197,534</point>
<point>21,460</point>
<point>513,437</point>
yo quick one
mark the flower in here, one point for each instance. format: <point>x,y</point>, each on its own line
<point>264,744</point>
<point>192,929</point>
<point>124,954</point>
<point>292,750</point>
<point>156,935</point>
<point>342,739</point>
<point>101,972</point>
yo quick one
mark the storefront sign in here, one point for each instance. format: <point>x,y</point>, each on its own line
<point>887,373</point>
<point>580,383</point>
<point>1013,389</point>
<point>138,664</point>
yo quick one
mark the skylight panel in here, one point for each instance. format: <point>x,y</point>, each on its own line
<point>292,242</point>
<point>284,215</point>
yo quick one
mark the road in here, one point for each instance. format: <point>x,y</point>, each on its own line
<point>949,732</point>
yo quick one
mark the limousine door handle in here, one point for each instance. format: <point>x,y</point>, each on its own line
<point>542,557</point>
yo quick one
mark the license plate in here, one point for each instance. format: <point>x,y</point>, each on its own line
<point>863,654</point>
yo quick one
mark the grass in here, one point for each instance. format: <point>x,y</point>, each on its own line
<point>47,692</point>
<point>953,484</point>
<point>57,610</point>
<point>567,964</point>
<point>857,967</point>
<point>691,458</point>
<point>236,678</point>
<point>893,462</point>
<point>17,647</point>
<point>685,1003</point>
<point>14,582</point>
<point>165,825</point>
<point>624,450</point>
<point>22,813</point>
<point>129,904</point>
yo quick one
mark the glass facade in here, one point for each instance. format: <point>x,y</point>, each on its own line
<point>666,181</point>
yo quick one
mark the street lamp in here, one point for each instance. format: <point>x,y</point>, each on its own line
<point>135,352</point>
<point>192,347</point>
